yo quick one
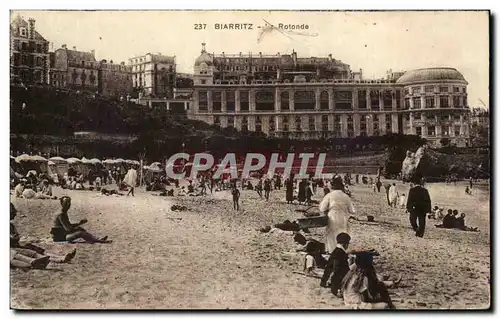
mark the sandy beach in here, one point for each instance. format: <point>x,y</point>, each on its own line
<point>214,257</point>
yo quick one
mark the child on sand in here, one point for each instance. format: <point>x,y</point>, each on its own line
<point>362,289</point>
<point>236,197</point>
<point>338,265</point>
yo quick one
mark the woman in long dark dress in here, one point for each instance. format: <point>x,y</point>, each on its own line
<point>302,191</point>
<point>289,189</point>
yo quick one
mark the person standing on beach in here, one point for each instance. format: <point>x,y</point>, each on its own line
<point>393,195</point>
<point>236,197</point>
<point>131,180</point>
<point>267,188</point>
<point>418,205</point>
<point>289,189</point>
<point>338,206</point>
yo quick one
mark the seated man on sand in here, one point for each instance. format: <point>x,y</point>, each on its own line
<point>19,189</point>
<point>460,224</point>
<point>63,230</point>
<point>46,188</point>
<point>448,220</point>
<point>31,250</point>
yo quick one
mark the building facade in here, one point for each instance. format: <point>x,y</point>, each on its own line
<point>29,53</point>
<point>480,117</point>
<point>115,80</point>
<point>153,75</point>
<point>79,70</point>
<point>73,69</point>
<point>310,98</point>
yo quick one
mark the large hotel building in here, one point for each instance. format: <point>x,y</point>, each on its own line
<point>283,95</point>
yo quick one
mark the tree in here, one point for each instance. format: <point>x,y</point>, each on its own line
<point>445,142</point>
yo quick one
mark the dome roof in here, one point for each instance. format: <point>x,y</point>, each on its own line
<point>431,74</point>
<point>204,58</point>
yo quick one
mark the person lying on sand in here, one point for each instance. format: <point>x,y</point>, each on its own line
<point>362,289</point>
<point>338,265</point>
<point>28,193</point>
<point>31,250</point>
<point>165,193</point>
<point>63,230</point>
<point>310,245</point>
<point>26,260</point>
<point>107,192</point>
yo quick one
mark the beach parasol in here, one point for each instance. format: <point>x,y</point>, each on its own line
<point>57,159</point>
<point>95,161</point>
<point>109,161</point>
<point>154,169</point>
<point>38,158</point>
<point>24,158</point>
<point>85,161</point>
<point>51,163</point>
<point>132,162</point>
<point>73,160</point>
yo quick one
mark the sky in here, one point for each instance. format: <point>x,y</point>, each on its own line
<point>372,41</point>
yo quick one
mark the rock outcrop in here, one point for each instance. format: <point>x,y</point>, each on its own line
<point>425,163</point>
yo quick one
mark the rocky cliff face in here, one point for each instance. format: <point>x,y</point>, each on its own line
<point>424,162</point>
<point>431,164</point>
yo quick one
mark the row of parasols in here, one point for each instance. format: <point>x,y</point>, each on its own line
<point>72,160</point>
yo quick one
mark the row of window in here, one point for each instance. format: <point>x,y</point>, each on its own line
<point>255,68</point>
<point>30,47</point>
<point>430,102</point>
<point>456,117</point>
<point>432,89</point>
<point>445,130</point>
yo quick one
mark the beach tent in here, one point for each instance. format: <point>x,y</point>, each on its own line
<point>32,162</point>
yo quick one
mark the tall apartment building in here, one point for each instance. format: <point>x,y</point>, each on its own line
<point>75,69</point>
<point>79,70</point>
<point>283,95</point>
<point>29,53</point>
<point>153,75</point>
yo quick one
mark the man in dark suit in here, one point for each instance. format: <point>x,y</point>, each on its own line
<point>338,265</point>
<point>418,205</point>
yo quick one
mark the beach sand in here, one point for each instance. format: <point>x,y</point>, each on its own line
<point>214,257</point>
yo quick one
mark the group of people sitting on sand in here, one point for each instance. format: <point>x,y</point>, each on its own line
<point>32,256</point>
<point>41,191</point>
<point>451,220</point>
<point>350,276</point>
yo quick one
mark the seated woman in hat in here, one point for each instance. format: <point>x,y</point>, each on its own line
<point>362,288</point>
<point>63,230</point>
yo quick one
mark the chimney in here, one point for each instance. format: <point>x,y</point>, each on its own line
<point>74,48</point>
<point>278,54</point>
<point>260,54</point>
<point>64,46</point>
<point>223,54</point>
<point>241,54</point>
<point>93,52</point>
<point>330,57</point>
<point>203,47</point>
<point>111,61</point>
<point>31,28</point>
